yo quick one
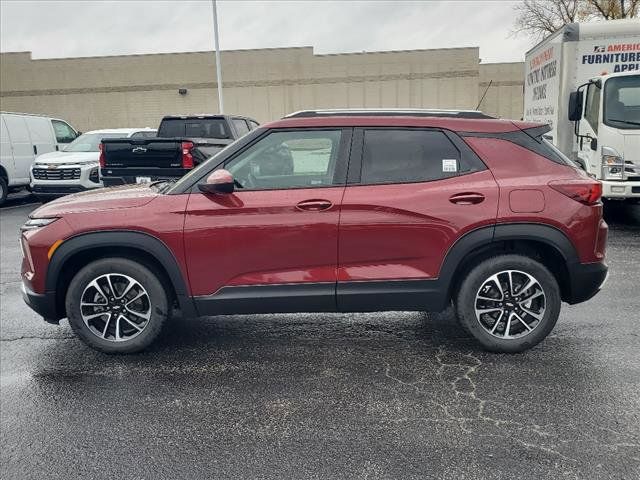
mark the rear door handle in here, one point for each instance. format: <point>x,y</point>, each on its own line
<point>314,205</point>
<point>466,198</point>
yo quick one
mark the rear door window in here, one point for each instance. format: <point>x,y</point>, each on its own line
<point>406,156</point>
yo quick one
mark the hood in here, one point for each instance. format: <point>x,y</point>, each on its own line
<point>57,158</point>
<point>99,200</point>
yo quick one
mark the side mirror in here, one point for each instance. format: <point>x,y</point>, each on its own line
<point>594,144</point>
<point>575,106</point>
<point>220,182</point>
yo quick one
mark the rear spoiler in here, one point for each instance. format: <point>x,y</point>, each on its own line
<point>537,132</point>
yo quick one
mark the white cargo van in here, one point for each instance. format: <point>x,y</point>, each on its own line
<point>22,138</point>
<point>584,80</point>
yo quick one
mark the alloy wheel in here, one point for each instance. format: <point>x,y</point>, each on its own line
<point>510,304</point>
<point>115,307</point>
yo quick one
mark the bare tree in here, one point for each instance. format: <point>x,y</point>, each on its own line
<point>539,18</point>
<point>612,9</point>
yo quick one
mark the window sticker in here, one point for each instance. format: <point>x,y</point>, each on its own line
<point>449,165</point>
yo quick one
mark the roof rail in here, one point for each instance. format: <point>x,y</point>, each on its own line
<point>389,112</point>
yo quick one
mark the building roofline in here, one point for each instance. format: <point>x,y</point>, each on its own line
<point>241,50</point>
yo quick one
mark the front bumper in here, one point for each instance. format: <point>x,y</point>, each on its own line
<point>621,190</point>
<point>59,187</point>
<point>585,281</point>
<point>42,303</point>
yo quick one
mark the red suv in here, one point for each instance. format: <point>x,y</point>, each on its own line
<point>332,211</point>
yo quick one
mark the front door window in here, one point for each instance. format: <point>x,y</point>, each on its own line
<point>282,160</point>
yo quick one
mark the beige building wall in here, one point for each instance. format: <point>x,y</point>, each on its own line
<point>137,90</point>
<point>505,96</point>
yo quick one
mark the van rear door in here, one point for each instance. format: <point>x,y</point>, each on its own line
<point>6,152</point>
<point>23,152</point>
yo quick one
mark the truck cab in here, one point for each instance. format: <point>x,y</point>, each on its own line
<point>606,116</point>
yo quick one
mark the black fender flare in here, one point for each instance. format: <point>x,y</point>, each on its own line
<point>122,238</point>
<point>486,236</point>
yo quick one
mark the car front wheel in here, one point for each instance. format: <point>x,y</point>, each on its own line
<point>509,303</point>
<point>116,305</point>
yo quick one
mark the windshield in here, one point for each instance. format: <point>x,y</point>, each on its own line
<point>622,102</point>
<point>88,142</point>
<point>194,128</point>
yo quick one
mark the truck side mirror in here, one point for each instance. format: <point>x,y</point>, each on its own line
<point>594,144</point>
<point>575,106</point>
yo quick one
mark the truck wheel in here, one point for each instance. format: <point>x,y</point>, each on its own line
<point>4,190</point>
<point>116,305</point>
<point>509,303</point>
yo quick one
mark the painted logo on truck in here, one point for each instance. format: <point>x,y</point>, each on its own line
<point>613,57</point>
<point>541,89</point>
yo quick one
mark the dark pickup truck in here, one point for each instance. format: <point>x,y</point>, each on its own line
<point>182,143</point>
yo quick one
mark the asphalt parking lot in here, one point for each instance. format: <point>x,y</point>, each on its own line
<point>394,395</point>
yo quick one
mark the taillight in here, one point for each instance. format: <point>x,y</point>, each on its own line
<point>102,160</point>
<point>187,158</point>
<point>583,191</point>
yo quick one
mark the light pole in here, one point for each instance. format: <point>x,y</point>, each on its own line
<point>218,65</point>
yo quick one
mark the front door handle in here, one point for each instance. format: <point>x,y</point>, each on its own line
<point>314,205</point>
<point>466,198</point>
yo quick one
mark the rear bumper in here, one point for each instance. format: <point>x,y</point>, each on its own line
<point>43,304</point>
<point>586,280</point>
<point>124,176</point>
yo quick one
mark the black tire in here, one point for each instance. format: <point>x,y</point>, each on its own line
<point>479,276</point>
<point>4,190</point>
<point>158,305</point>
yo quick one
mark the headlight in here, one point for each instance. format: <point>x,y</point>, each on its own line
<point>612,164</point>
<point>34,223</point>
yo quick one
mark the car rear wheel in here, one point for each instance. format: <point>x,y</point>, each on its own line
<point>116,305</point>
<point>509,303</point>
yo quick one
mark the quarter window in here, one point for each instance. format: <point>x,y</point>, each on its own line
<point>64,133</point>
<point>404,156</point>
<point>288,160</point>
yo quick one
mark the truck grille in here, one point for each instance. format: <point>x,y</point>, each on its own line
<point>56,173</point>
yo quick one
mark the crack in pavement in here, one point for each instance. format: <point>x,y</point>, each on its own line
<point>37,337</point>
<point>464,388</point>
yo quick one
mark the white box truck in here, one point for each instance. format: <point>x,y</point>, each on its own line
<point>584,80</point>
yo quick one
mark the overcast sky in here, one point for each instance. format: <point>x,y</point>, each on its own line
<point>74,28</point>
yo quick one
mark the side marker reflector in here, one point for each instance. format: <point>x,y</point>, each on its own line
<point>53,248</point>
